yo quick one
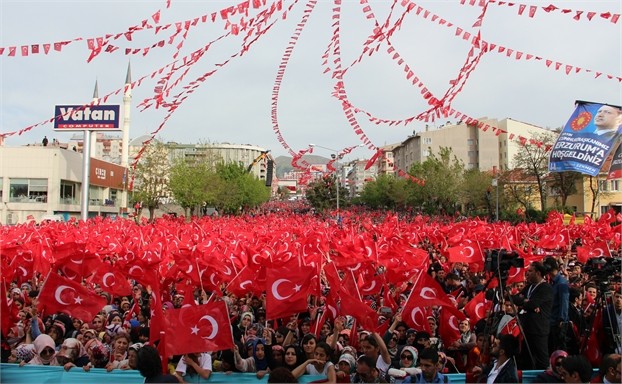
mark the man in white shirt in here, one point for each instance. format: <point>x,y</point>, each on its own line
<point>503,369</point>
<point>192,364</point>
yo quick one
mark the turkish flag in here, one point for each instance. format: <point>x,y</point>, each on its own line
<point>467,252</point>
<point>112,281</point>
<point>591,251</point>
<point>286,289</point>
<point>607,217</point>
<point>198,328</point>
<point>449,323</point>
<point>78,266</point>
<point>63,295</point>
<point>246,281</point>
<point>476,308</point>
<point>427,292</point>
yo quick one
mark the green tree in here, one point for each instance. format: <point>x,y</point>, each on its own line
<point>322,193</point>
<point>443,175</point>
<point>239,190</point>
<point>192,184</point>
<point>151,180</point>
<point>386,192</point>
<point>476,192</point>
<point>533,160</point>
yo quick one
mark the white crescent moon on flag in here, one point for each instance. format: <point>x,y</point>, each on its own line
<point>425,291</point>
<point>59,291</point>
<point>68,276</point>
<point>275,289</point>
<point>245,283</point>
<point>24,271</point>
<point>76,262</point>
<point>471,253</point>
<point>106,276</point>
<point>228,270</point>
<point>477,307</point>
<point>452,320</point>
<point>211,279</point>
<point>372,286</point>
<point>135,267</point>
<point>356,267</point>
<point>413,316</point>
<point>333,310</point>
<point>214,324</point>
<point>190,268</point>
<point>25,259</point>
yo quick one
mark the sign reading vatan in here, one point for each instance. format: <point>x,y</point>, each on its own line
<point>90,117</point>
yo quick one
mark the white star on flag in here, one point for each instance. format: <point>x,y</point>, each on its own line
<point>78,300</point>
<point>194,330</point>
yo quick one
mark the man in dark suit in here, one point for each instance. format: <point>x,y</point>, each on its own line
<point>503,368</point>
<point>612,324</point>
<point>536,302</point>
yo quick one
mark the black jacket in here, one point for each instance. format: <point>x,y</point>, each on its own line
<point>537,323</point>
<point>508,374</point>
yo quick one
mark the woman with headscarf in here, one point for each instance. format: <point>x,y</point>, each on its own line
<point>258,361</point>
<point>45,351</point>
<point>246,319</point>
<point>407,363</point>
<point>98,353</point>
<point>72,354</point>
<point>552,374</point>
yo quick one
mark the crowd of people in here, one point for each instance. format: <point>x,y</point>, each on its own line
<point>561,319</point>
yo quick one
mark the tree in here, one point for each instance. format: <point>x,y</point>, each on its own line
<point>475,192</point>
<point>564,184</point>
<point>192,184</point>
<point>385,192</point>
<point>239,190</point>
<point>151,177</point>
<point>322,193</point>
<point>443,179</point>
<point>533,159</point>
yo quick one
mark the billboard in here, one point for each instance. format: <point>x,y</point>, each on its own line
<point>588,137</point>
<point>90,117</point>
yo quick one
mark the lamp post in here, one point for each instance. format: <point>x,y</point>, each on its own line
<point>335,155</point>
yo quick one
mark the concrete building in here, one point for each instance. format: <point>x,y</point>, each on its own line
<point>357,176</point>
<point>386,161</point>
<point>244,154</point>
<point>47,181</point>
<point>478,149</point>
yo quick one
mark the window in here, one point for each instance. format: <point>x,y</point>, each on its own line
<point>427,140</point>
<point>28,190</point>
<point>615,186</point>
<point>68,192</point>
<point>1,186</point>
<point>602,185</point>
<point>470,142</point>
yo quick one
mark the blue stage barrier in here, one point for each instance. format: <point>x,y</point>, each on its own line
<point>37,374</point>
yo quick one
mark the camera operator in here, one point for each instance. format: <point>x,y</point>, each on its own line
<point>612,324</point>
<point>559,311</point>
<point>536,302</point>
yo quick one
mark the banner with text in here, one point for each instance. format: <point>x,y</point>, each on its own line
<point>588,137</point>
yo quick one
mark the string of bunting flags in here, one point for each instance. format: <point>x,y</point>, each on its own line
<point>237,18</point>
<point>521,8</point>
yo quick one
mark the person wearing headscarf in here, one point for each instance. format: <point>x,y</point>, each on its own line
<point>23,352</point>
<point>552,373</point>
<point>407,363</point>
<point>45,351</point>
<point>258,361</point>
<point>98,353</point>
<point>246,319</point>
<point>72,354</point>
<point>346,366</point>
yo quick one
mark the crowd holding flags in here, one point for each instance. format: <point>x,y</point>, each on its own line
<point>287,257</point>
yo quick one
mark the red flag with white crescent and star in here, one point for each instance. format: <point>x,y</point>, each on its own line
<point>286,289</point>
<point>198,328</point>
<point>63,295</point>
<point>112,280</point>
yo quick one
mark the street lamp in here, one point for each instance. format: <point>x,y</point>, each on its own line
<point>335,156</point>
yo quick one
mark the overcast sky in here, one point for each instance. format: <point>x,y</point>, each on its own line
<point>234,104</point>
